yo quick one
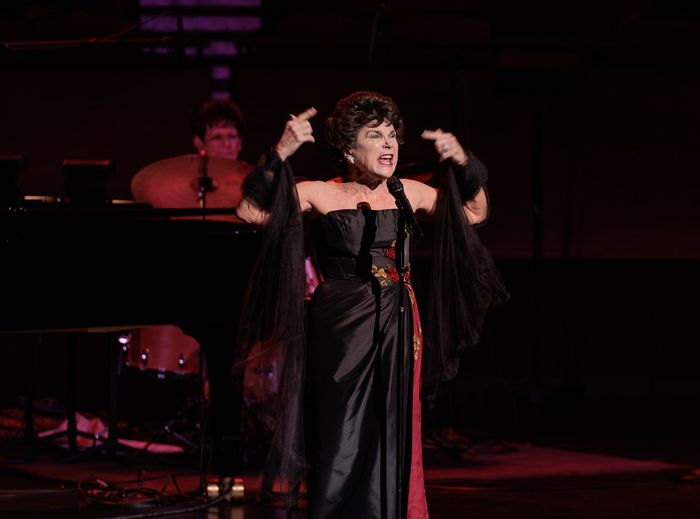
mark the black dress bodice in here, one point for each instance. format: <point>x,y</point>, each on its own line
<point>356,244</point>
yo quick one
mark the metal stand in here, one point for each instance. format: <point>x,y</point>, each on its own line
<point>406,217</point>
<point>169,428</point>
<point>109,445</point>
<point>71,432</point>
<point>402,245</point>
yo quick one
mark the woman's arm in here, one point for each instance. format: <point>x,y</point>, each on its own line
<point>258,184</point>
<point>470,175</point>
<point>247,212</point>
<point>477,209</point>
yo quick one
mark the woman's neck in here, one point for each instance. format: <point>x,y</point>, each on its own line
<point>363,181</point>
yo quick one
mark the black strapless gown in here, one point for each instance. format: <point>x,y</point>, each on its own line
<point>351,373</point>
<point>344,379</point>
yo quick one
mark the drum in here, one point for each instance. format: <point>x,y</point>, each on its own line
<point>163,349</point>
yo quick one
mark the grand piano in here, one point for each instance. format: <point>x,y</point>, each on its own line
<point>71,267</point>
<point>92,263</point>
<point>86,267</point>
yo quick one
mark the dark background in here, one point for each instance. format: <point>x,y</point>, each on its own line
<point>598,99</point>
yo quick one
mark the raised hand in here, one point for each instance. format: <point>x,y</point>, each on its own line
<point>447,146</point>
<point>297,131</point>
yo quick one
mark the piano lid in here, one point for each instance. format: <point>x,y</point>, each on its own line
<point>66,267</point>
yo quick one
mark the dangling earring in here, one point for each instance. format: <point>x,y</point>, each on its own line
<point>350,159</point>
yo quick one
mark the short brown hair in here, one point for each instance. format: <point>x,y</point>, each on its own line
<point>351,114</point>
<point>212,112</point>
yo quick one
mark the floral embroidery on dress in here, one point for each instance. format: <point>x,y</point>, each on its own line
<point>393,274</point>
<point>380,273</point>
<point>416,347</point>
<point>390,273</point>
<point>391,251</point>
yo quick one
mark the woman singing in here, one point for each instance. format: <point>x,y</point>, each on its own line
<point>341,369</point>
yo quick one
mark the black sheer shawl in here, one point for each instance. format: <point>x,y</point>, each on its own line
<point>464,284</point>
<point>271,339</point>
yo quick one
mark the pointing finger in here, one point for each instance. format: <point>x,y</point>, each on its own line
<point>432,135</point>
<point>306,114</point>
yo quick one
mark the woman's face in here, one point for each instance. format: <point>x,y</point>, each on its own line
<point>376,150</point>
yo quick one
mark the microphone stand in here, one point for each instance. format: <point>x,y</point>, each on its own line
<point>402,246</point>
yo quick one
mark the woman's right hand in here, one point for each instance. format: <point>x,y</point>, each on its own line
<point>297,131</point>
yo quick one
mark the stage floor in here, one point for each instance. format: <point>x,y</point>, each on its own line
<point>491,479</point>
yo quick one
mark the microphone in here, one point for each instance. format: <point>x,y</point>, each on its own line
<point>396,189</point>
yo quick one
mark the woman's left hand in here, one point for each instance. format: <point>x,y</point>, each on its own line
<point>447,146</point>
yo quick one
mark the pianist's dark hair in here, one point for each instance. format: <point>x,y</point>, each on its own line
<point>211,112</point>
<point>352,113</point>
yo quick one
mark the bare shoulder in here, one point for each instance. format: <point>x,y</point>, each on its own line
<point>421,195</point>
<point>416,186</point>
<point>309,185</point>
<point>312,188</point>
<point>309,192</point>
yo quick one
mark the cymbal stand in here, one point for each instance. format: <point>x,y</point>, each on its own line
<point>205,182</point>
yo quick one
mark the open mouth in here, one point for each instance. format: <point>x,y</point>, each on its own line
<point>386,160</point>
